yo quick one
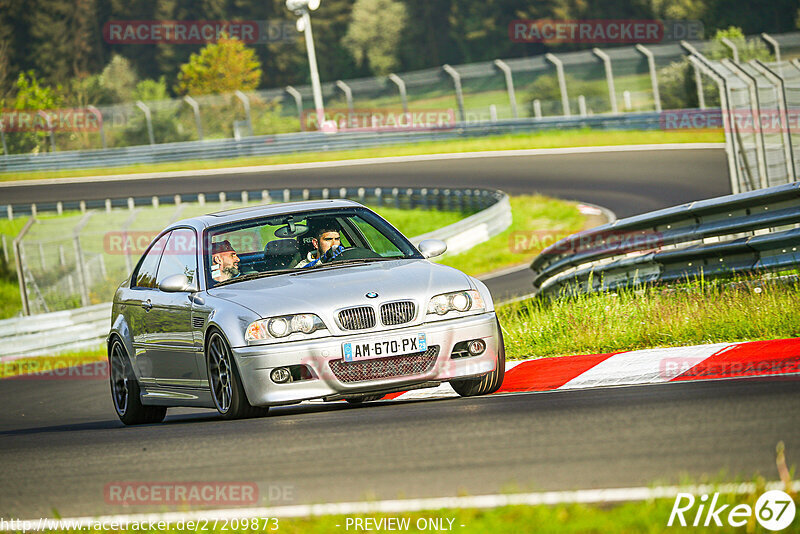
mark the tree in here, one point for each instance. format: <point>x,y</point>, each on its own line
<point>375,32</point>
<point>748,49</point>
<point>220,67</point>
<point>31,95</point>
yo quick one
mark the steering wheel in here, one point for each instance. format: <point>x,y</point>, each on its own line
<point>355,253</point>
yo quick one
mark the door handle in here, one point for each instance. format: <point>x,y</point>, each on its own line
<point>147,305</point>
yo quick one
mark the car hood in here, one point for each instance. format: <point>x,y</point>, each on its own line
<point>323,291</point>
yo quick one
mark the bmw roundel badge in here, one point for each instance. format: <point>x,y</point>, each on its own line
<point>372,295</point>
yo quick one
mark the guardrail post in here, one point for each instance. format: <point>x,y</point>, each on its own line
<point>761,148</point>
<point>423,193</point>
<point>651,66</point>
<point>131,203</point>
<point>732,46</point>
<point>99,116</point>
<point>348,95</point>
<point>326,193</point>
<point>401,86</point>
<point>396,197</point>
<point>10,212</point>
<point>222,198</point>
<point>34,212</point>
<point>20,264</point>
<point>287,195</point>
<point>201,199</point>
<point>246,103</point>
<point>108,205</point>
<point>245,197</point>
<point>49,123</point>
<point>562,82</point>
<point>512,99</point>
<point>154,201</point>
<point>410,195</point>
<point>3,139</point>
<point>265,197</point>
<point>196,110</point>
<point>537,108</point>
<point>459,92</point>
<point>5,248</point>
<point>147,117</point>
<point>379,196</point>
<point>612,93</point>
<point>342,192</point>
<point>59,208</point>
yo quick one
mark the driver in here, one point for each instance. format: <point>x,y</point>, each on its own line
<point>224,261</point>
<point>327,245</point>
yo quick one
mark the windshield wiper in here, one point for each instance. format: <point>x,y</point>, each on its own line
<point>252,276</point>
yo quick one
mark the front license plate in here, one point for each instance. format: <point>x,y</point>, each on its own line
<point>384,347</point>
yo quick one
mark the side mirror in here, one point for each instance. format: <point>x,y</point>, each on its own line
<point>177,283</point>
<point>430,248</point>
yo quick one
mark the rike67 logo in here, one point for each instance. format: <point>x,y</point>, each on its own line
<point>774,510</point>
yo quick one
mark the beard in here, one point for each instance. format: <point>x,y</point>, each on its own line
<point>232,271</point>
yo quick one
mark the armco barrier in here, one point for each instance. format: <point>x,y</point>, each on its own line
<point>269,145</point>
<point>744,233</point>
<point>57,332</point>
<point>49,333</point>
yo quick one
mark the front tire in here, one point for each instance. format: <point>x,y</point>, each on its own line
<point>226,384</point>
<point>488,383</point>
<point>125,390</point>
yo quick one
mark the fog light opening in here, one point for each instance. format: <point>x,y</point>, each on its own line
<point>281,375</point>
<point>476,347</point>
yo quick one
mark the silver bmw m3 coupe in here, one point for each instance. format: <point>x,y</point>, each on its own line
<point>272,305</point>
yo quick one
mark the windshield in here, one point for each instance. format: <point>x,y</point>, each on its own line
<point>301,242</point>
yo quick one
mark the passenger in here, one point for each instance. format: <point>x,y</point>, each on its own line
<point>327,245</point>
<point>224,261</point>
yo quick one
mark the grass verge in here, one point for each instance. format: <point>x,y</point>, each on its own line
<point>543,139</point>
<point>534,217</point>
<point>690,314</point>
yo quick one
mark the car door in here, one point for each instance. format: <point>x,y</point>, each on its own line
<point>136,303</point>
<point>170,343</point>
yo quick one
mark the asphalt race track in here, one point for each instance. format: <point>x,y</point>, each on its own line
<point>61,443</point>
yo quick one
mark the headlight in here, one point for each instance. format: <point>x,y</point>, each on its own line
<point>460,301</point>
<point>279,327</point>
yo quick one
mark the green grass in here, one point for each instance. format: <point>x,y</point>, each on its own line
<point>534,218</point>
<point>543,139</point>
<point>649,516</point>
<point>657,317</point>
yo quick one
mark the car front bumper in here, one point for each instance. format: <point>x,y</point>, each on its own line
<point>256,362</point>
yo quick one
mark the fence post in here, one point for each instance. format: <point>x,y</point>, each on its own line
<point>701,97</point>
<point>582,106</point>
<point>512,99</point>
<point>99,116</point>
<point>49,123</point>
<point>777,80</point>
<point>562,82</point>
<point>537,108</point>
<point>732,46</point>
<point>3,139</point>
<point>147,117</point>
<point>5,248</point>
<point>80,264</point>
<point>459,93</point>
<point>761,149</point>
<point>298,101</point>
<point>651,66</point>
<point>612,93</point>
<point>246,103</point>
<point>19,261</point>
<point>401,86</point>
<point>777,48</point>
<point>196,110</point>
<point>730,143</point>
<point>348,95</point>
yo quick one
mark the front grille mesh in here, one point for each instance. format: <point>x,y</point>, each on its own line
<point>357,318</point>
<point>394,313</point>
<point>391,367</point>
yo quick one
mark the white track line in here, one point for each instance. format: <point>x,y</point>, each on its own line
<point>366,161</point>
<point>611,495</point>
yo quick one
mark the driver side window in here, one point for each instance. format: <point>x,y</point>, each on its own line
<point>146,274</point>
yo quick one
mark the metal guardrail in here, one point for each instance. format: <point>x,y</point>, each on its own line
<point>749,232</point>
<point>48,333</point>
<point>268,145</point>
<point>57,332</point>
